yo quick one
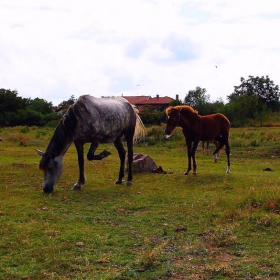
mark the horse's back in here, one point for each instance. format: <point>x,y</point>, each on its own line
<point>223,119</point>
<point>105,108</point>
<point>105,118</point>
<point>213,125</point>
<point>110,104</point>
<point>215,119</point>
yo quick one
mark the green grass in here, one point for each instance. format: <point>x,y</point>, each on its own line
<point>211,225</point>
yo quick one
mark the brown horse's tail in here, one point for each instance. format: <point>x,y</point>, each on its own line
<point>140,130</point>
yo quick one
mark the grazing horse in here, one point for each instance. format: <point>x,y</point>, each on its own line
<point>199,128</point>
<point>92,120</point>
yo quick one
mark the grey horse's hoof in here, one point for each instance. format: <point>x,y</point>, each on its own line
<point>76,187</point>
<point>105,154</point>
<point>118,182</point>
<point>128,183</point>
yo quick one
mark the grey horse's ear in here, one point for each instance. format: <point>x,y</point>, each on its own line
<point>40,153</point>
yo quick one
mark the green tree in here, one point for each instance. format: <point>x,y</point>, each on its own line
<point>10,102</point>
<point>41,105</point>
<point>70,101</point>
<point>267,92</point>
<point>175,102</point>
<point>243,109</point>
<point>15,110</point>
<point>150,116</point>
<point>198,99</point>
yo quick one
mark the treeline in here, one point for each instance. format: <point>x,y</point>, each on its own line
<point>15,110</point>
<point>252,102</point>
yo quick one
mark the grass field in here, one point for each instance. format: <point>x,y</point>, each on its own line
<point>211,225</point>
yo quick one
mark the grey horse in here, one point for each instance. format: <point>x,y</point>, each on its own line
<point>92,120</point>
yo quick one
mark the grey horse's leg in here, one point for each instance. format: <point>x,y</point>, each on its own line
<point>80,151</point>
<point>129,143</point>
<point>92,149</point>
<point>119,146</point>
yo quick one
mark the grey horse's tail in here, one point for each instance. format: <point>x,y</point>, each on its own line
<point>140,130</point>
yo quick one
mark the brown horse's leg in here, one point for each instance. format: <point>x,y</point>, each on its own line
<point>195,144</point>
<point>207,147</point>
<point>216,152</point>
<point>189,152</point>
<point>223,142</point>
<point>228,156</point>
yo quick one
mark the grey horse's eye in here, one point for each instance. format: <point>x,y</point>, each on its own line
<point>52,165</point>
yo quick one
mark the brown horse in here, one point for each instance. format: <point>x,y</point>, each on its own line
<point>205,146</point>
<point>199,128</point>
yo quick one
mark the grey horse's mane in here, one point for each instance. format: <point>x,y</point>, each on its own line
<point>140,131</point>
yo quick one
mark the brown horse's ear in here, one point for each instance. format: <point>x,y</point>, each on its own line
<point>179,114</point>
<point>168,110</point>
<point>172,110</point>
<point>40,153</point>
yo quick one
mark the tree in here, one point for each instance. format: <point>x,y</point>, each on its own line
<point>198,99</point>
<point>41,105</point>
<point>70,101</point>
<point>150,116</point>
<point>175,102</point>
<point>15,110</point>
<point>243,109</point>
<point>262,87</point>
<point>10,102</point>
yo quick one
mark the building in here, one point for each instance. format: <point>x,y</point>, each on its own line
<point>62,109</point>
<point>155,103</point>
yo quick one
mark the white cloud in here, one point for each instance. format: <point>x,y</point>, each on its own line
<point>55,49</point>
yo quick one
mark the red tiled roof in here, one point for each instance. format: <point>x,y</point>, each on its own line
<point>63,107</point>
<point>136,99</point>
<point>157,100</point>
<point>147,100</point>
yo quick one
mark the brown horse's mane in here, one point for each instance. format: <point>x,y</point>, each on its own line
<point>181,107</point>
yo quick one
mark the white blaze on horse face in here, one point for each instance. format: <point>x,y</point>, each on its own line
<point>168,136</point>
<point>169,127</point>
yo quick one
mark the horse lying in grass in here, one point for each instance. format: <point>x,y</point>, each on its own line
<point>199,128</point>
<point>92,120</point>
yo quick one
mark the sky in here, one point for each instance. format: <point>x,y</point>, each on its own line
<point>53,49</point>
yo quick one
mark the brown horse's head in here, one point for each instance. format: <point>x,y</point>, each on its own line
<point>173,116</point>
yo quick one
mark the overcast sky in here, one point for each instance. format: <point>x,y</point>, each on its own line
<point>53,49</point>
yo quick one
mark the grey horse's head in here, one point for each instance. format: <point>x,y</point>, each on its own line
<point>52,166</point>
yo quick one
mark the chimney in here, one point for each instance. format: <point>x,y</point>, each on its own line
<point>157,96</point>
<point>177,97</point>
